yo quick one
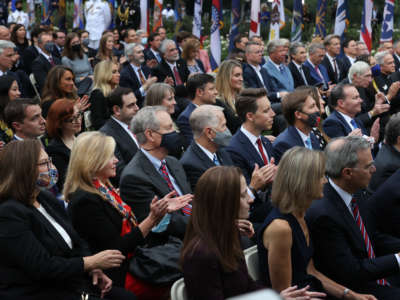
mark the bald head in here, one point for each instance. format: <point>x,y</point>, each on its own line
<point>4,33</point>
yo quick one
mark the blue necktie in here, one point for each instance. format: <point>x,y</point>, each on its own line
<point>308,143</point>
<point>215,160</point>
<point>158,57</point>
<point>353,122</point>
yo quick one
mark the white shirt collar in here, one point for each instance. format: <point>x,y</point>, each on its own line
<point>44,54</point>
<point>310,62</point>
<point>208,153</point>
<point>296,64</point>
<point>346,197</point>
<point>277,66</point>
<point>330,58</point>
<point>346,118</point>
<point>352,60</point>
<point>302,135</point>
<point>253,139</point>
<point>126,128</point>
<point>256,68</point>
<point>171,65</point>
<point>18,138</point>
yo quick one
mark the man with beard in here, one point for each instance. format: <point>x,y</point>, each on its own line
<point>135,74</point>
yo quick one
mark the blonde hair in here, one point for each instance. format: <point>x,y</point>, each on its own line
<point>102,76</point>
<point>90,153</point>
<point>297,181</point>
<point>223,82</point>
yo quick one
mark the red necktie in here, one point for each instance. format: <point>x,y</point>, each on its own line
<point>368,245</point>
<point>187,210</point>
<point>51,61</point>
<point>260,148</point>
<point>178,80</point>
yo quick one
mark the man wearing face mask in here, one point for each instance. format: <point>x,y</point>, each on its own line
<point>151,172</point>
<point>45,61</point>
<point>201,89</point>
<point>211,135</point>
<point>302,114</point>
<point>19,16</point>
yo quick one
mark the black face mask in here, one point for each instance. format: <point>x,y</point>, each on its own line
<point>313,119</point>
<point>19,8</point>
<point>76,48</point>
<point>171,141</point>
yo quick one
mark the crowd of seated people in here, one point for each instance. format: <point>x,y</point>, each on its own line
<point>108,154</point>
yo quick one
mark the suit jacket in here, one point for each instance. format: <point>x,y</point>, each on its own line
<point>196,162</point>
<point>396,62</point>
<point>125,148</point>
<point>297,78</point>
<point>56,53</point>
<point>41,67</point>
<point>340,251</point>
<point>314,76</point>
<point>35,261</point>
<point>28,57</point>
<point>162,70</point>
<point>335,125</point>
<point>386,163</point>
<point>251,80</point>
<point>148,55</point>
<point>102,230</point>
<point>346,65</point>
<point>140,182</point>
<point>59,154</point>
<point>384,82</point>
<point>331,72</point>
<point>244,155</point>
<point>278,81</point>
<point>183,122</point>
<point>290,138</point>
<point>129,79</point>
<point>99,111</point>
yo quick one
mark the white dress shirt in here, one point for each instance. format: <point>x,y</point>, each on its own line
<point>348,120</point>
<point>253,140</point>
<point>257,69</point>
<point>304,137</point>
<point>126,128</point>
<point>333,62</point>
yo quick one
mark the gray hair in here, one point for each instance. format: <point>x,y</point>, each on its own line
<point>140,32</point>
<point>314,46</point>
<point>129,48</point>
<point>294,46</point>
<point>202,117</point>
<point>328,39</point>
<point>146,118</point>
<point>274,44</point>
<point>6,45</point>
<point>342,153</point>
<point>249,45</point>
<point>358,68</point>
<point>392,130</point>
<point>164,44</point>
<point>380,57</point>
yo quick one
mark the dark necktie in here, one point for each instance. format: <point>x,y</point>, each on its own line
<point>335,69</point>
<point>303,75</point>
<point>260,148</point>
<point>215,160</point>
<point>367,242</point>
<point>178,80</point>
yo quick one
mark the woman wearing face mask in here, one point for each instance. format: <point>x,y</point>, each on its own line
<point>90,52</point>
<point>106,79</point>
<point>74,58</point>
<point>42,256</point>
<point>285,248</point>
<point>112,223</point>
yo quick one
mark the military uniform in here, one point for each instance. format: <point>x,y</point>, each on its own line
<point>98,19</point>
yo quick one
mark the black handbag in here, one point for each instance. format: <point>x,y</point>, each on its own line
<point>157,265</point>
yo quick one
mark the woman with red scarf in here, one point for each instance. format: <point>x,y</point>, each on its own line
<point>99,214</point>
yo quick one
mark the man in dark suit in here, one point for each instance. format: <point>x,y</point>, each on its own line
<point>347,104</point>
<point>151,172</point>
<point>152,54</point>
<point>348,248</point>
<point>134,74</point>
<point>350,55</point>
<point>388,159</point>
<point>302,114</point>
<point>396,55</point>
<point>210,137</point>
<point>331,61</point>
<point>171,69</point>
<point>24,117</point>
<point>45,61</point>
<point>300,73</point>
<point>318,73</point>
<point>201,90</point>
<point>254,76</point>
<point>123,105</point>
<point>31,52</point>
<point>59,43</point>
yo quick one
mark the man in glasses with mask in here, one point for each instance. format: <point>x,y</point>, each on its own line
<point>151,172</point>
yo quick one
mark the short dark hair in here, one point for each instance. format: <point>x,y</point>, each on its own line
<point>198,81</point>
<point>338,93</point>
<point>294,102</point>
<point>152,36</point>
<point>181,35</point>
<point>392,130</point>
<point>346,42</point>
<point>15,110</point>
<point>115,98</point>
<point>36,31</point>
<point>247,101</point>
<point>238,38</point>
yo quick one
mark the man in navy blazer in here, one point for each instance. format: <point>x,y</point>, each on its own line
<point>348,247</point>
<point>210,137</point>
<point>300,73</point>
<point>302,114</point>
<point>331,61</point>
<point>347,104</point>
<point>318,73</point>
<point>280,77</point>
<point>201,89</point>
<point>134,74</point>
<point>254,76</point>
<point>152,54</point>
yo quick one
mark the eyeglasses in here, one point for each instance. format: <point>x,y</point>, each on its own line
<point>74,118</point>
<point>47,163</point>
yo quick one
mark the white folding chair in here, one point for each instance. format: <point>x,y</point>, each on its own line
<point>34,85</point>
<point>178,290</point>
<point>251,258</point>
